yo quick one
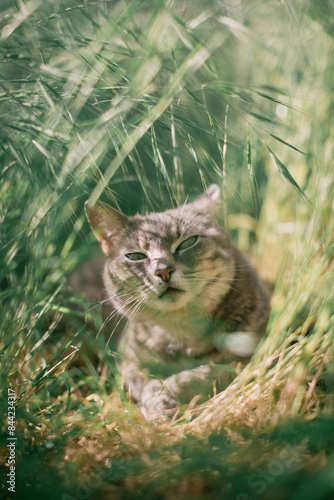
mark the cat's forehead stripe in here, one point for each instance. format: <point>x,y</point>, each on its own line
<point>164,230</point>
<point>156,229</point>
<point>150,234</point>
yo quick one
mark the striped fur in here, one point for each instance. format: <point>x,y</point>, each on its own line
<point>186,297</point>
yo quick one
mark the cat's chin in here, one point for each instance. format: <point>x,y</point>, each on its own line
<point>171,299</point>
<point>171,293</point>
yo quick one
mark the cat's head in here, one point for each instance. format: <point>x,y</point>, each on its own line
<point>164,261</point>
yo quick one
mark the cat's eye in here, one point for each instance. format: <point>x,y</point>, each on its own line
<point>135,256</point>
<point>189,242</point>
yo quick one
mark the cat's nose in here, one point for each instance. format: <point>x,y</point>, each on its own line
<point>165,272</point>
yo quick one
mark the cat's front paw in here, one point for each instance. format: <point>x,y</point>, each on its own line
<point>159,403</point>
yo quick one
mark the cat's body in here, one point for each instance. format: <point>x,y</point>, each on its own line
<point>191,298</point>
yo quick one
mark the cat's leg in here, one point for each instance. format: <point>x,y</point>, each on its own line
<point>134,380</point>
<point>161,398</point>
<point>158,400</point>
<point>155,399</point>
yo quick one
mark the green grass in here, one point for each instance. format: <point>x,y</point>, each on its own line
<point>143,104</point>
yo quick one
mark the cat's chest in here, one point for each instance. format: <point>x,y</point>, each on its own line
<point>179,336</point>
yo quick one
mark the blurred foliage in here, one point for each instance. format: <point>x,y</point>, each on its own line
<point>324,13</point>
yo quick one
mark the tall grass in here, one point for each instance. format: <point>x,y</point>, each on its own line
<point>144,104</point>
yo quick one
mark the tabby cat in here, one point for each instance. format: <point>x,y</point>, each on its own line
<point>194,304</point>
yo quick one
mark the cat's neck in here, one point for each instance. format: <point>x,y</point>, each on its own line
<point>191,319</point>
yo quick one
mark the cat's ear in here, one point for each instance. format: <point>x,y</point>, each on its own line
<point>208,202</point>
<point>106,223</point>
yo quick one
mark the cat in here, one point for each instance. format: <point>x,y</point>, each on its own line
<point>195,305</point>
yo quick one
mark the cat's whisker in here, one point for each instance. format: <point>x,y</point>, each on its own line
<point>119,312</point>
<point>126,302</point>
<point>210,279</point>
<point>122,316</point>
<point>94,305</point>
<point>109,318</point>
<point>210,269</point>
<point>108,299</point>
<point>129,315</point>
<point>137,307</point>
<point>118,295</point>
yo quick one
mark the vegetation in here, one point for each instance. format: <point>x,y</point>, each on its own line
<point>142,104</point>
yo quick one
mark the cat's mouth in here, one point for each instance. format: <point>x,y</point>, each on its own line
<point>171,292</point>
